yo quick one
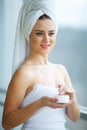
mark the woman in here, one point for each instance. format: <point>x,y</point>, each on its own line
<point>31,95</point>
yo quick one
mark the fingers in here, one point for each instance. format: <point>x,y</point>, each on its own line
<point>47,101</point>
<point>62,89</point>
<point>53,103</point>
<point>53,100</point>
<point>65,89</point>
<point>63,105</point>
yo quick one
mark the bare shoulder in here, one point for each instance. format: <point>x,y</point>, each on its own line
<point>17,89</point>
<point>21,80</point>
<point>61,67</point>
<point>22,73</point>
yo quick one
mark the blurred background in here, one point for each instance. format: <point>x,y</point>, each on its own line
<point>70,49</point>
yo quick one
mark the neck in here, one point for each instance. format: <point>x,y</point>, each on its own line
<point>38,59</point>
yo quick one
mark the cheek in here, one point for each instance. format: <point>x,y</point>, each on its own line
<point>53,40</point>
<point>32,40</point>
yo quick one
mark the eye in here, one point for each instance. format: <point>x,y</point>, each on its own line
<point>51,34</point>
<point>39,33</point>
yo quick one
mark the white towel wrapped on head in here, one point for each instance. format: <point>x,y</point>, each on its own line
<point>29,13</point>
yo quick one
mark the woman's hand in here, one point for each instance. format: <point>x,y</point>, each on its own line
<point>67,90</point>
<point>53,102</point>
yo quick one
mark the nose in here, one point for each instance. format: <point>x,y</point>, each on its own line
<point>46,38</point>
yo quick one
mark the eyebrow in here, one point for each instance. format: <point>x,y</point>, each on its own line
<point>43,31</point>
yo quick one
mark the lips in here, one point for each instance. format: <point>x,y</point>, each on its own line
<point>45,46</point>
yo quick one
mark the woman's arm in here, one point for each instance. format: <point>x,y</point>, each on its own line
<point>13,115</point>
<point>72,110</point>
<point>16,117</point>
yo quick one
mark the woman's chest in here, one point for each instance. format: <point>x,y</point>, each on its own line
<point>50,76</point>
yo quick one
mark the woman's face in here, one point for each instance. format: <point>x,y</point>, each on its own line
<point>42,37</point>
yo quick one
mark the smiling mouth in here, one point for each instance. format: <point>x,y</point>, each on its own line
<point>45,46</point>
